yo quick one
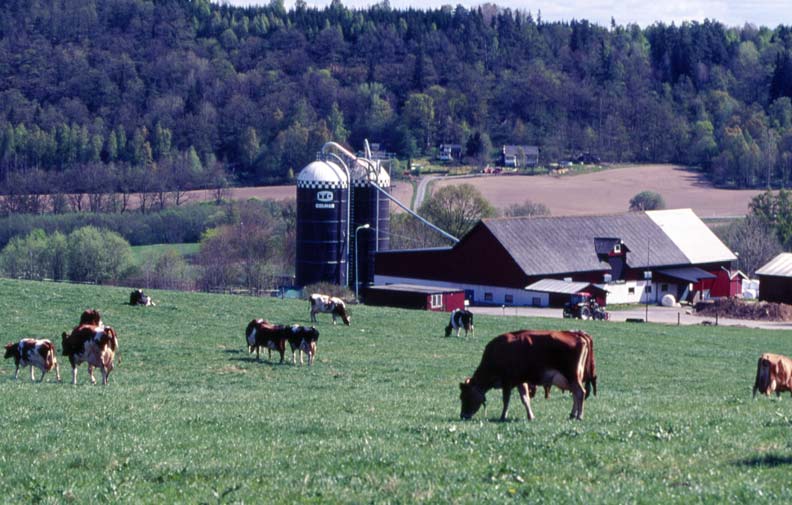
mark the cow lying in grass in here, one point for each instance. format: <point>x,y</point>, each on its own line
<point>137,297</point>
<point>328,305</point>
<point>303,339</point>
<point>261,333</point>
<point>526,357</point>
<point>35,353</point>
<point>93,343</point>
<point>773,374</point>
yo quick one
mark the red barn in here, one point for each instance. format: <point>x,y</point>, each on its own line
<point>413,296</point>
<point>775,279</point>
<point>637,257</point>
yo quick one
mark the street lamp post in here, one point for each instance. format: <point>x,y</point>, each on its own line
<point>357,272</point>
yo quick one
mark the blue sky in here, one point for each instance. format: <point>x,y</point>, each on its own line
<point>730,12</point>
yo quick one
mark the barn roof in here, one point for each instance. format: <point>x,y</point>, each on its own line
<point>415,288</point>
<point>780,266</point>
<point>557,286</point>
<point>557,245</point>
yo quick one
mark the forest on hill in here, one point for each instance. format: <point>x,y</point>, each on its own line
<point>141,95</point>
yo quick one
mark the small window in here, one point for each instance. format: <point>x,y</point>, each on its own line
<point>508,299</point>
<point>488,297</point>
<point>536,301</point>
<point>437,301</point>
<point>648,289</point>
<point>617,248</point>
<point>663,287</point>
<point>631,291</point>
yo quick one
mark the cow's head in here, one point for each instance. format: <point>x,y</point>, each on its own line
<point>472,399</point>
<point>11,350</point>
<point>341,311</point>
<point>448,330</point>
<point>91,317</point>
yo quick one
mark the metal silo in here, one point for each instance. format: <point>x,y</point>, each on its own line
<point>369,207</point>
<point>322,223</point>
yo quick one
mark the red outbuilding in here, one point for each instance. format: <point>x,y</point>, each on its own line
<point>413,296</point>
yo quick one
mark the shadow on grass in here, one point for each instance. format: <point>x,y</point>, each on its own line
<point>768,460</point>
<point>262,361</point>
<point>232,351</point>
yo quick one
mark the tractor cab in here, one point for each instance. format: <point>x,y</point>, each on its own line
<point>582,305</point>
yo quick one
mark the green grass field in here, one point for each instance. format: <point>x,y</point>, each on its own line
<point>142,253</point>
<point>188,417</point>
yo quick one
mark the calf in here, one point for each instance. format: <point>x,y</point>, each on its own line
<point>328,304</point>
<point>303,338</point>
<point>460,318</point>
<point>773,374</point>
<point>530,357</point>
<point>35,354</point>
<point>137,297</point>
<point>96,345</point>
<point>261,333</point>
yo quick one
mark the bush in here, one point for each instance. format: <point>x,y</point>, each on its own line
<point>97,255</point>
<point>647,200</point>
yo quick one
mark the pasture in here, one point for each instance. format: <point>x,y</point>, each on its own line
<point>189,417</point>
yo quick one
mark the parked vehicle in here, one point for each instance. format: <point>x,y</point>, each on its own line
<point>584,306</point>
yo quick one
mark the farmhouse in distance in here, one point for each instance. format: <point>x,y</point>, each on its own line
<point>627,258</point>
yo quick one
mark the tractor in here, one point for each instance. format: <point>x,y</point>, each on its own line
<point>584,306</point>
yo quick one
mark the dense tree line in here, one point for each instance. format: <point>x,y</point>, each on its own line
<point>136,84</point>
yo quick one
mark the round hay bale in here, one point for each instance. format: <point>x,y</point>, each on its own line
<point>668,300</point>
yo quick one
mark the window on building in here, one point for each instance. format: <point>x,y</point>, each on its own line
<point>631,291</point>
<point>649,289</point>
<point>663,287</point>
<point>437,301</point>
<point>488,297</point>
<point>536,301</point>
<point>508,299</point>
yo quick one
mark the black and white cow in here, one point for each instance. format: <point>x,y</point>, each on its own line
<point>328,304</point>
<point>137,297</point>
<point>35,353</point>
<point>303,338</point>
<point>460,318</point>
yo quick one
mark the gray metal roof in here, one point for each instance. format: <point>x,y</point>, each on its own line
<point>557,286</point>
<point>690,274</point>
<point>514,150</point>
<point>557,245</point>
<point>780,266</point>
<point>415,288</point>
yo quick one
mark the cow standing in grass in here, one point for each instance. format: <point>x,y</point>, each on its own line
<point>328,304</point>
<point>91,342</point>
<point>773,374</point>
<point>35,353</point>
<point>303,339</point>
<point>526,357</point>
<point>261,333</point>
<point>460,319</point>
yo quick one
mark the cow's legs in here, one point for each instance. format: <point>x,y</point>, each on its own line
<point>33,376</point>
<point>526,399</point>
<point>57,372</point>
<point>578,394</point>
<point>16,373</point>
<point>105,375</point>
<point>91,374</point>
<point>506,398</point>
<point>74,375</point>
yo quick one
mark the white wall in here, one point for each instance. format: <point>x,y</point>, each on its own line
<point>519,296</point>
<point>619,292</point>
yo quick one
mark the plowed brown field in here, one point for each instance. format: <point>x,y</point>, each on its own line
<point>605,192</point>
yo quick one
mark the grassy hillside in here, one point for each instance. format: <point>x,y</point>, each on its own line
<point>188,417</point>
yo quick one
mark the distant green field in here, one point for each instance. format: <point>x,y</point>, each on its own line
<point>143,252</point>
<point>188,417</point>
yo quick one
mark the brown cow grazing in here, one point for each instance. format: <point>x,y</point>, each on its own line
<point>773,374</point>
<point>261,333</point>
<point>328,304</point>
<point>590,374</point>
<point>35,354</point>
<point>92,343</point>
<point>531,357</point>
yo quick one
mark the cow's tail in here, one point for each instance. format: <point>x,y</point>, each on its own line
<point>762,376</point>
<point>50,360</point>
